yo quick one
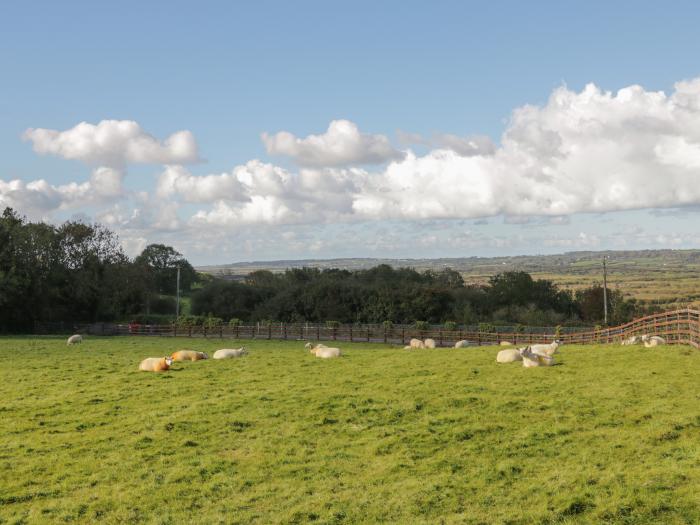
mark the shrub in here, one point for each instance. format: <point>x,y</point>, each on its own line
<point>450,326</point>
<point>332,324</point>
<point>486,327</point>
<point>235,321</point>
<point>213,322</point>
<point>421,325</point>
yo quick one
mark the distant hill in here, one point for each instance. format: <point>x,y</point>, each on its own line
<point>667,277</point>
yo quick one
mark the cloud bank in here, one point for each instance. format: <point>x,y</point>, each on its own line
<point>588,151</point>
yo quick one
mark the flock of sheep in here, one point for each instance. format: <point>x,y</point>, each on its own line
<point>531,356</point>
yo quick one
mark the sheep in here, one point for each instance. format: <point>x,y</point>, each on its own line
<point>309,346</point>
<point>416,343</point>
<point>156,364</point>
<point>226,353</point>
<point>429,343</point>
<point>506,343</point>
<point>532,359</point>
<point>326,352</point>
<point>546,350</point>
<point>74,339</point>
<point>653,341</point>
<point>509,356</point>
<point>632,340</point>
<point>188,355</point>
<point>462,344</point>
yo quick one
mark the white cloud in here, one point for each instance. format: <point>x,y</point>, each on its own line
<point>38,198</point>
<point>341,145</point>
<point>113,143</point>
<point>465,146</point>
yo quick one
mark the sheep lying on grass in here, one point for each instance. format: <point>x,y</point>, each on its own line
<point>506,343</point>
<point>509,356</point>
<point>532,359</point>
<point>653,340</point>
<point>416,343</point>
<point>462,344</point>
<point>546,350</point>
<point>188,355</point>
<point>74,339</point>
<point>326,352</point>
<point>310,346</point>
<point>429,343</point>
<point>227,353</point>
<point>156,364</point>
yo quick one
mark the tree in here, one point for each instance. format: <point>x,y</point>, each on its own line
<point>160,262</point>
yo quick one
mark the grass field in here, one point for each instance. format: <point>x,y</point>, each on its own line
<point>611,435</point>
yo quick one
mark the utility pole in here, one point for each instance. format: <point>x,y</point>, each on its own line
<point>605,291</point>
<point>177,301</point>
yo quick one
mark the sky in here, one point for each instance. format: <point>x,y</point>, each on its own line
<point>292,130</point>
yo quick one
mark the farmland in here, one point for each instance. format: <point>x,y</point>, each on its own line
<point>611,435</point>
<point>667,278</point>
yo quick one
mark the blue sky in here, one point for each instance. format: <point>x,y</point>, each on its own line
<point>227,72</point>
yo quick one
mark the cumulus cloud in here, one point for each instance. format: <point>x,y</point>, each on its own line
<point>342,144</point>
<point>113,143</point>
<point>39,198</point>
<point>464,146</point>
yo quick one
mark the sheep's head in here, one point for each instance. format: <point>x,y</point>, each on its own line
<point>308,346</point>
<point>168,360</point>
<point>244,350</point>
<point>205,355</point>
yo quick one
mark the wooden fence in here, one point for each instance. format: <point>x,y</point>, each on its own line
<point>677,327</point>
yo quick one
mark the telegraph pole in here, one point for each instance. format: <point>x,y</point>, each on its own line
<point>605,291</point>
<point>177,301</point>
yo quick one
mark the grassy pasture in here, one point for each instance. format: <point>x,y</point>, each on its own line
<point>611,435</point>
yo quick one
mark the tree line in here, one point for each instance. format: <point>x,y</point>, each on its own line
<point>77,273</point>
<point>405,296</point>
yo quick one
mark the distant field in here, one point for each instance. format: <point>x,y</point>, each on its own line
<point>611,435</point>
<point>669,278</point>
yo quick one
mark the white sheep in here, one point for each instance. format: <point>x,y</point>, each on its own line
<point>156,364</point>
<point>509,356</point>
<point>74,339</point>
<point>506,343</point>
<point>532,359</point>
<point>546,350</point>
<point>632,340</point>
<point>309,346</point>
<point>462,344</point>
<point>326,352</point>
<point>429,343</point>
<point>227,353</point>
<point>654,340</point>
<point>415,343</point>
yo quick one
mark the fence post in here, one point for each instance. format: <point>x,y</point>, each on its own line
<point>221,331</point>
<point>368,334</point>
<point>318,332</point>
<point>385,335</point>
<point>284,329</point>
<point>440,336</point>
<point>351,333</point>
<point>403,335</point>
<point>269,331</point>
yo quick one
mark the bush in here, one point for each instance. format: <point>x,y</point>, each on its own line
<point>185,321</point>
<point>486,327</point>
<point>421,325</point>
<point>387,325</point>
<point>235,321</point>
<point>450,326</point>
<point>332,324</point>
<point>213,322</point>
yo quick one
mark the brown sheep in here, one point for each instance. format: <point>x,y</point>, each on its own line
<point>156,364</point>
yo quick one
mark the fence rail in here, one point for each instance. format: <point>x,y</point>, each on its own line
<point>677,327</point>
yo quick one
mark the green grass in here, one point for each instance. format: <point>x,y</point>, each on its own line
<point>612,435</point>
